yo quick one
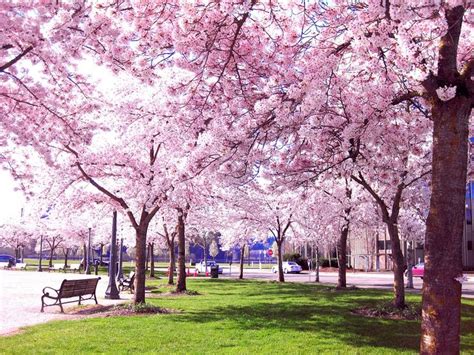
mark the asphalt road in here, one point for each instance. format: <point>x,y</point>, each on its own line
<point>381,280</point>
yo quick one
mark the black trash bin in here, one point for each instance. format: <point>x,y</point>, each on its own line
<point>214,272</point>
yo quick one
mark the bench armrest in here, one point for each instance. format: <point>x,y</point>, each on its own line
<point>50,288</point>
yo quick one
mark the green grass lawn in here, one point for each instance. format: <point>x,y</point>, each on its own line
<point>244,317</point>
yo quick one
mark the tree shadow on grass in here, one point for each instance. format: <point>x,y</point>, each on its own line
<point>317,309</point>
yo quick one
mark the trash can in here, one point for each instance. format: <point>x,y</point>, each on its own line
<point>214,272</point>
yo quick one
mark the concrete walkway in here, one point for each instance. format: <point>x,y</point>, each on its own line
<point>20,298</point>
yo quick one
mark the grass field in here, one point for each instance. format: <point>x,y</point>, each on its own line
<point>244,317</point>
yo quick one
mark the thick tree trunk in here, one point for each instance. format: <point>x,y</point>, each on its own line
<point>242,256</point>
<point>172,264</point>
<point>181,282</point>
<point>281,275</point>
<point>398,266</point>
<point>152,260</point>
<point>440,326</point>
<point>140,260</point>
<point>342,257</point>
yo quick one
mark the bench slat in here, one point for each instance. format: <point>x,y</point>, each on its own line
<point>73,288</point>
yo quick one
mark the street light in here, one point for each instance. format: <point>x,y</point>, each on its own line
<point>112,292</point>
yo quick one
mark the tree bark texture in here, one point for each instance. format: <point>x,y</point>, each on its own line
<point>441,292</point>
<point>342,257</point>
<point>181,282</point>
<point>441,309</point>
<point>398,266</point>
<point>140,260</point>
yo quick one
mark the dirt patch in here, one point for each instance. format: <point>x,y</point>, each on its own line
<point>388,311</point>
<point>117,310</point>
<point>159,294</point>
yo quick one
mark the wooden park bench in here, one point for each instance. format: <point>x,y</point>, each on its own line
<point>127,283</point>
<point>75,267</point>
<point>69,289</point>
<point>57,267</point>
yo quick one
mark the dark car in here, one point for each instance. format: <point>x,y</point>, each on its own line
<point>7,261</point>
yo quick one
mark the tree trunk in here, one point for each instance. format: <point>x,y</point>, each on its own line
<point>172,264</point>
<point>440,325</point>
<point>317,265</point>
<point>140,260</point>
<point>342,257</point>
<point>152,260</point>
<point>242,256</point>
<point>101,253</point>
<point>147,257</point>
<point>181,283</point>
<point>281,276</point>
<point>84,256</point>
<point>66,253</point>
<point>51,252</point>
<point>398,266</point>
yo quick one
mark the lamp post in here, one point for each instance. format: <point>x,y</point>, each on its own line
<point>112,292</point>
<point>88,257</point>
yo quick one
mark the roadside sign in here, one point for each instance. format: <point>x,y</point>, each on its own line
<point>270,252</point>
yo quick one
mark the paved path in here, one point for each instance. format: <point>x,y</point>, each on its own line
<point>380,280</point>
<point>20,297</point>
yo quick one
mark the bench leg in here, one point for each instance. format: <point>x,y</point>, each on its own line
<point>80,299</point>
<point>61,305</point>
<point>95,298</point>
<point>42,304</point>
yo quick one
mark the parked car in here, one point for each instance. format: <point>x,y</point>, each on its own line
<point>418,270</point>
<point>288,267</point>
<point>7,261</point>
<point>201,267</point>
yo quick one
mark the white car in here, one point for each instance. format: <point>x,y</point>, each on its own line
<point>288,266</point>
<point>200,267</point>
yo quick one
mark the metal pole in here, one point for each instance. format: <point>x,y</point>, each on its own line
<point>410,265</point>
<point>40,268</point>
<point>88,256</point>
<point>112,292</point>
<point>120,266</point>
